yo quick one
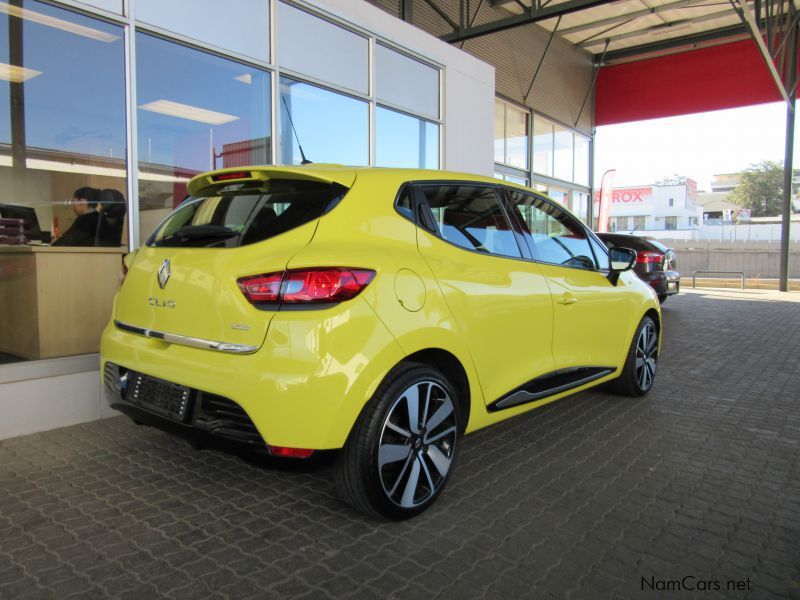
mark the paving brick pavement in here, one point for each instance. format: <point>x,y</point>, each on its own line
<point>582,498</point>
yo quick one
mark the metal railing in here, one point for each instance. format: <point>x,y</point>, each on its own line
<point>739,273</point>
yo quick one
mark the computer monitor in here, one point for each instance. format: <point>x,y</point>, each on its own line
<point>27,214</point>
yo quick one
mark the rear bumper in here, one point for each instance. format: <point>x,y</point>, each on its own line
<point>665,283</point>
<point>208,418</point>
<point>304,388</point>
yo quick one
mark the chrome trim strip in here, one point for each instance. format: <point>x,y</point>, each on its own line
<point>185,340</point>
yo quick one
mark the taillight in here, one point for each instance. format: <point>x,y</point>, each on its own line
<point>648,257</point>
<point>306,286</point>
<point>262,288</point>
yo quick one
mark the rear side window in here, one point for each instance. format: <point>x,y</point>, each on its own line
<point>554,235</point>
<point>241,214</point>
<point>471,217</point>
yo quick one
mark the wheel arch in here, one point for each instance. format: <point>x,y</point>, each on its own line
<point>451,367</point>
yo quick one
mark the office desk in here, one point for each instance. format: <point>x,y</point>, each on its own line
<point>55,300</point>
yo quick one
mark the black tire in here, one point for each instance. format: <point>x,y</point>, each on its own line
<point>386,468</point>
<point>636,380</point>
<point>662,298</point>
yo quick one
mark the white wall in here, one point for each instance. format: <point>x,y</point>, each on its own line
<point>34,405</point>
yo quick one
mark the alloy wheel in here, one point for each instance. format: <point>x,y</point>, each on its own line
<point>646,349</point>
<point>417,444</point>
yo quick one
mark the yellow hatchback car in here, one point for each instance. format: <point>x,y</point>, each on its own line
<point>383,312</point>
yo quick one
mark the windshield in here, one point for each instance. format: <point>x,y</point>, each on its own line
<point>240,214</point>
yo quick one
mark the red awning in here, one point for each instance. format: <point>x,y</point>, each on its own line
<point>715,78</point>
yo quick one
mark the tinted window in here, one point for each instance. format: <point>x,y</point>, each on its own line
<point>553,234</point>
<point>236,217</point>
<point>625,241</point>
<point>471,217</point>
<point>659,245</point>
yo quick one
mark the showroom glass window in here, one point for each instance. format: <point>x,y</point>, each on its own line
<point>542,146</point>
<point>406,131</point>
<point>62,128</point>
<point>213,22</point>
<point>196,112</point>
<point>321,49</point>
<point>329,126</point>
<point>510,135</point>
<point>402,140</point>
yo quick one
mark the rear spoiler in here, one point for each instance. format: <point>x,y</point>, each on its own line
<point>344,176</point>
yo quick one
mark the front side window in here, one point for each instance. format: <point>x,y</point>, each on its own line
<point>472,217</point>
<point>554,235</point>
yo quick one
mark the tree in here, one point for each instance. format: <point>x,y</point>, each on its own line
<point>760,189</point>
<point>673,179</point>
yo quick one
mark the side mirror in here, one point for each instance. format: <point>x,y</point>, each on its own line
<point>620,259</point>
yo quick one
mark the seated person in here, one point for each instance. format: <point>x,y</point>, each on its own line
<point>84,228</point>
<point>112,218</point>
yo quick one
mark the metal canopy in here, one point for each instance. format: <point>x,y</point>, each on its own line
<point>625,29</point>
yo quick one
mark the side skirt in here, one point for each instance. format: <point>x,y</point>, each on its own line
<point>549,385</point>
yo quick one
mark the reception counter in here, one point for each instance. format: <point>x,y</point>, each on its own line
<point>56,300</point>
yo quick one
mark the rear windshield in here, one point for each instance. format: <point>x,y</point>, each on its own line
<point>626,241</point>
<point>658,245</point>
<point>236,215</point>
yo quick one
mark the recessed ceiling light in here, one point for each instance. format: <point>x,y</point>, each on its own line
<point>187,111</point>
<point>42,19</point>
<point>16,74</point>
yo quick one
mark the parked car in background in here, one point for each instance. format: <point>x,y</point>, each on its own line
<point>655,263</point>
<point>380,312</point>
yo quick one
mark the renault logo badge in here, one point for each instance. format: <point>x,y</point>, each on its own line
<point>163,274</point>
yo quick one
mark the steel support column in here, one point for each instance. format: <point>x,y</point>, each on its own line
<point>786,213</point>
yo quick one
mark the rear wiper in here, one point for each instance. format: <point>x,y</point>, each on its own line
<point>200,232</point>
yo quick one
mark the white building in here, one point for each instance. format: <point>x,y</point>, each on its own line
<point>657,210</point>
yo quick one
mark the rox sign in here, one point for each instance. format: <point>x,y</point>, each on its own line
<point>641,195</point>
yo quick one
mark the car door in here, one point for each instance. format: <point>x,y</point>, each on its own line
<point>591,315</point>
<point>500,302</point>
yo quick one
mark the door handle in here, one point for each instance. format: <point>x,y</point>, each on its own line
<point>567,299</point>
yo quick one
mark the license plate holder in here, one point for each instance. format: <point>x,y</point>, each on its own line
<point>159,396</point>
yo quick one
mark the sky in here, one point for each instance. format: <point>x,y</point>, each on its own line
<point>697,146</point>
